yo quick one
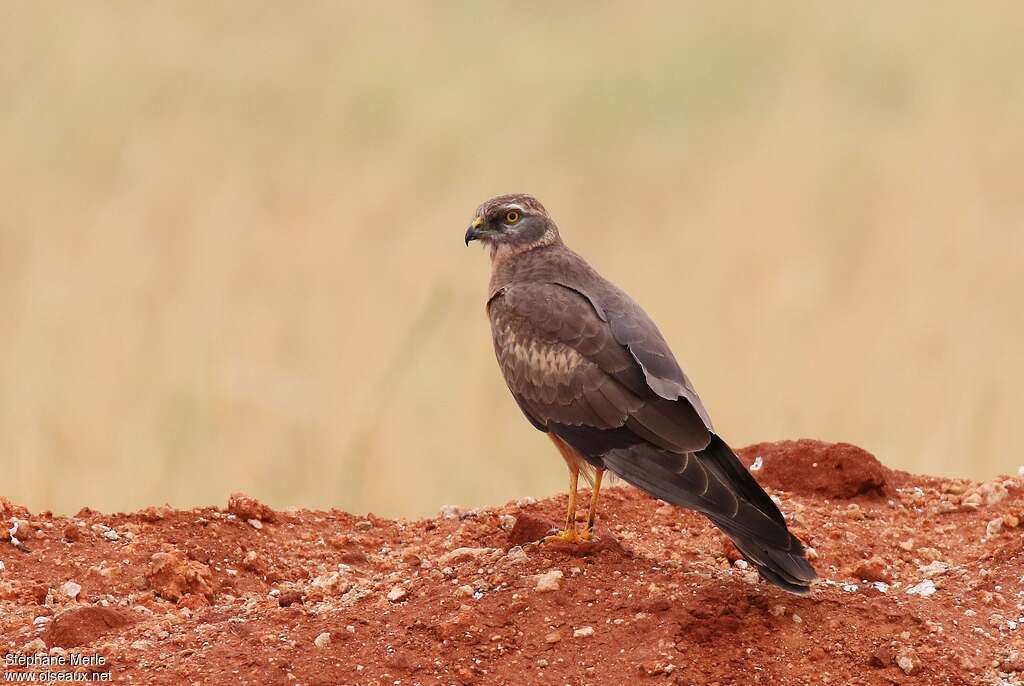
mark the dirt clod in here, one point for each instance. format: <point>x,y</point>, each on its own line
<point>289,598</point>
<point>247,508</point>
<point>84,625</point>
<point>171,576</point>
<point>873,569</point>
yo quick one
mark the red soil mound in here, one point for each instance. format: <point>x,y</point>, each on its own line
<point>831,470</point>
<point>919,586</point>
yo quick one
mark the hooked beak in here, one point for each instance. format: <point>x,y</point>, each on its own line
<point>474,232</point>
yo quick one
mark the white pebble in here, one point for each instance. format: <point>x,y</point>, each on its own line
<point>549,581</point>
<point>516,555</point>
<point>322,639</point>
<point>923,589</point>
<point>468,554</point>
<point>934,568</point>
<point>583,632</point>
<point>34,646</point>
<point>994,527</point>
<point>758,463</point>
<point>905,663</point>
<point>111,535</point>
<point>255,523</point>
<point>397,593</point>
<point>971,500</point>
<point>70,589</point>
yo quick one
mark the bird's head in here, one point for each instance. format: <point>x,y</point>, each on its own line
<point>517,221</point>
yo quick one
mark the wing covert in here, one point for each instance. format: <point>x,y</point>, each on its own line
<point>564,365</point>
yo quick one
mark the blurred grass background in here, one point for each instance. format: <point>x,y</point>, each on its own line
<point>231,235</point>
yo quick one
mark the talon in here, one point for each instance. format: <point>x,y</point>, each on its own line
<point>568,536</point>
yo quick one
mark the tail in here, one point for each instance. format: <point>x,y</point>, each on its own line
<point>785,566</point>
<point>715,483</point>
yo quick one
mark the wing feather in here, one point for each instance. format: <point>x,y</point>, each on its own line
<point>564,365</point>
<point>632,328</point>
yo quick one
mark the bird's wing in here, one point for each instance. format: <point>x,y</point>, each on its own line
<point>564,365</point>
<point>633,328</point>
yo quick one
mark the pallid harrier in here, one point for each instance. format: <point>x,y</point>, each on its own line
<point>589,368</point>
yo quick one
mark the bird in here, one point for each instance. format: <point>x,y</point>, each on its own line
<point>588,367</point>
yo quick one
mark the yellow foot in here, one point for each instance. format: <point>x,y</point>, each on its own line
<point>572,536</point>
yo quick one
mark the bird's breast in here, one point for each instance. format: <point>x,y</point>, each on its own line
<point>527,358</point>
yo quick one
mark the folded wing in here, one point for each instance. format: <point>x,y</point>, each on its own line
<point>596,372</point>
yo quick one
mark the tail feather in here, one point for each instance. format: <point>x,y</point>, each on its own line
<point>719,458</point>
<point>786,568</point>
<point>715,483</point>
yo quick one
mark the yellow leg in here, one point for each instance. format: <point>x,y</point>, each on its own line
<point>598,475</point>
<point>570,513</point>
<point>569,533</point>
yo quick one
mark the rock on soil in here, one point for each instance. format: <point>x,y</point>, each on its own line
<point>918,586</point>
<point>171,576</point>
<point>247,509</point>
<point>549,581</point>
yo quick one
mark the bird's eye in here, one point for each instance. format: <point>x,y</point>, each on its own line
<point>512,216</point>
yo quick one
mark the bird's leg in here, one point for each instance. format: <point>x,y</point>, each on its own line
<point>570,513</point>
<point>569,533</point>
<point>589,532</point>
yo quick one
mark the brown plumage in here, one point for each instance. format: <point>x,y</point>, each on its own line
<point>588,366</point>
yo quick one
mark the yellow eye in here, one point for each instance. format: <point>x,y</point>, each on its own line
<point>512,216</point>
